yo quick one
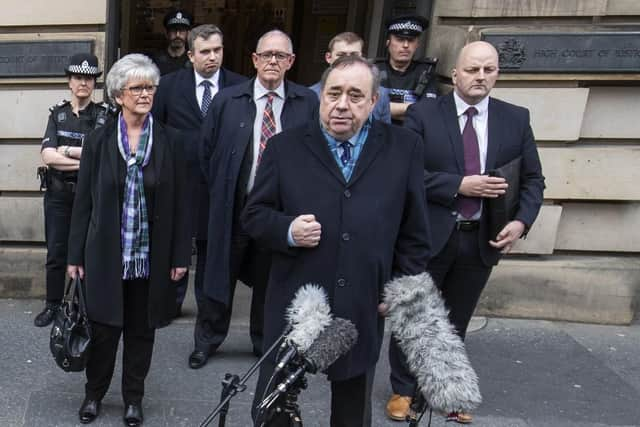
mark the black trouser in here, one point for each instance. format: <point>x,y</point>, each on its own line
<point>460,274</point>
<point>57,219</point>
<point>138,340</point>
<point>249,263</point>
<point>350,399</point>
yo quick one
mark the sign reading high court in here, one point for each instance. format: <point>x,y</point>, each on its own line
<point>39,58</point>
<point>567,52</point>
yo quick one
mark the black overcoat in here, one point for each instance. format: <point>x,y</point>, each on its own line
<point>226,133</point>
<point>94,238</point>
<point>373,227</point>
<point>175,104</point>
<point>509,136</point>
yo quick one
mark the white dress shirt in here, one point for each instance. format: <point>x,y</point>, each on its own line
<point>260,98</point>
<point>480,125</point>
<point>200,88</point>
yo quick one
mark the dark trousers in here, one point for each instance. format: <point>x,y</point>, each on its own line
<point>138,340</point>
<point>459,273</point>
<point>57,219</point>
<point>249,263</point>
<point>350,399</point>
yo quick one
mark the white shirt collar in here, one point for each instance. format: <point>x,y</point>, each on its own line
<point>462,106</point>
<point>213,79</point>
<point>259,90</point>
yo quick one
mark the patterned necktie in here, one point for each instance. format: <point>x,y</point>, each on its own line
<point>468,206</point>
<point>268,128</point>
<point>206,97</point>
<point>346,152</point>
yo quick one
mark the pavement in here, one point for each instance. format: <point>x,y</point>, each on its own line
<point>532,373</point>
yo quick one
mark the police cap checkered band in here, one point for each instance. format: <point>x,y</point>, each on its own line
<point>83,63</point>
<point>177,18</point>
<point>407,25</point>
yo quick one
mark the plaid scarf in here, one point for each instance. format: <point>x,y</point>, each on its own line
<point>134,229</point>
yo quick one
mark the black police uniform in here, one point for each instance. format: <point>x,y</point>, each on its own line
<point>416,82</point>
<point>64,128</point>
<point>165,62</point>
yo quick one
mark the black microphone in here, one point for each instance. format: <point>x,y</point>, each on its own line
<point>435,354</point>
<point>334,341</point>
<point>308,315</point>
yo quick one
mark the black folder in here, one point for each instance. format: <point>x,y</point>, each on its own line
<point>503,209</point>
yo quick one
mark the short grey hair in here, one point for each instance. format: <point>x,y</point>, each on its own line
<point>203,32</point>
<point>134,66</point>
<point>273,33</point>
<point>348,61</point>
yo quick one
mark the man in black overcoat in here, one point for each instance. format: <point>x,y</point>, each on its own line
<point>182,101</point>
<point>341,203</point>
<point>236,130</point>
<point>466,134</point>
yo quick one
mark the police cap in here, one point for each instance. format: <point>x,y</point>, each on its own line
<point>85,64</point>
<point>177,18</point>
<point>408,26</point>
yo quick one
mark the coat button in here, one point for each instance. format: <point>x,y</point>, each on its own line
<point>241,124</point>
<point>347,193</point>
<point>341,283</point>
<point>233,152</point>
<point>454,213</point>
<point>345,236</point>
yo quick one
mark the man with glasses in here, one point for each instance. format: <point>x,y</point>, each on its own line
<point>345,44</point>
<point>236,131</point>
<point>182,102</point>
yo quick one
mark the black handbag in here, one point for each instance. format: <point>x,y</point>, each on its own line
<point>71,333</point>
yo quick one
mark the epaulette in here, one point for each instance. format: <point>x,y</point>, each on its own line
<point>379,60</point>
<point>59,105</point>
<point>427,60</point>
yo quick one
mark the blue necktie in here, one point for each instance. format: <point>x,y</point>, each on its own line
<point>346,152</point>
<point>206,97</point>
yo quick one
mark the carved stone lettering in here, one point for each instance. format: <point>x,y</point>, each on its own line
<point>39,58</point>
<point>567,52</point>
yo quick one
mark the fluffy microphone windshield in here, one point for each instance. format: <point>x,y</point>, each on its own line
<point>334,341</point>
<point>435,354</point>
<point>308,314</point>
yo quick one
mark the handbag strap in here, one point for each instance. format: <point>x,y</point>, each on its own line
<point>81,302</point>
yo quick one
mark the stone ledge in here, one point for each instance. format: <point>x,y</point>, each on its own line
<point>593,289</point>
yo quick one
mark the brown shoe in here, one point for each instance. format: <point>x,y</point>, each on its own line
<point>398,407</point>
<point>460,417</point>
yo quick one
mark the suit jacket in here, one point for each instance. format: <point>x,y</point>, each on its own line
<point>94,238</point>
<point>226,137</point>
<point>381,111</point>
<point>176,105</point>
<point>510,136</point>
<point>373,227</point>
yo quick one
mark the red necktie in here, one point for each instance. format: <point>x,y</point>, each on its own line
<point>268,128</point>
<point>468,206</point>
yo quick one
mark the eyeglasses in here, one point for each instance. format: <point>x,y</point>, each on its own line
<point>280,56</point>
<point>137,90</point>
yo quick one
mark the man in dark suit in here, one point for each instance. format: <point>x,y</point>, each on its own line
<point>237,128</point>
<point>182,101</point>
<point>341,203</point>
<point>466,134</point>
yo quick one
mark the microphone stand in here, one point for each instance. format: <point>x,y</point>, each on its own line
<point>232,384</point>
<point>289,406</point>
<point>417,409</point>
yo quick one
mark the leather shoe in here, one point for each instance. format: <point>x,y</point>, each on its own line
<point>398,407</point>
<point>89,410</point>
<point>47,315</point>
<point>133,415</point>
<point>460,417</point>
<point>198,359</point>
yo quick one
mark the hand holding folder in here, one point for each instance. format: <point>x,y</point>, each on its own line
<point>503,209</point>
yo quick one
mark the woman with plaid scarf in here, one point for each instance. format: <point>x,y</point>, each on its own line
<point>129,239</point>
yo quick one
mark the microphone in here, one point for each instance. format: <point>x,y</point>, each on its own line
<point>334,341</point>
<point>435,353</point>
<point>308,315</point>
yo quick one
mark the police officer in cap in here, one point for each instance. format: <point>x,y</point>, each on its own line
<point>177,24</point>
<point>69,122</point>
<point>408,79</point>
